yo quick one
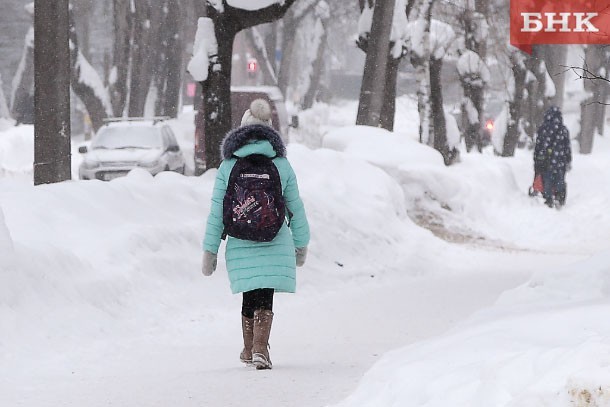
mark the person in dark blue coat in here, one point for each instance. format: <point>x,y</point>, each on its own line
<point>553,156</point>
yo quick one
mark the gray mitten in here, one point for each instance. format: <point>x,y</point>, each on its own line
<point>301,255</point>
<point>209,263</point>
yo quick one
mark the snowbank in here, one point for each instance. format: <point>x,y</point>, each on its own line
<point>252,4</point>
<point>544,344</point>
<point>542,359</point>
<point>16,150</point>
<point>381,147</point>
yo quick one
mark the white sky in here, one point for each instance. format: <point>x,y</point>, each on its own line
<point>102,301</point>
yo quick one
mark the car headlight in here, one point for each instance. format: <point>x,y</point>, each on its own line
<point>149,164</point>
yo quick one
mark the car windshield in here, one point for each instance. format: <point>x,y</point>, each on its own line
<point>127,137</point>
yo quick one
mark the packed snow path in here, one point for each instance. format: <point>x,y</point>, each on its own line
<point>321,346</point>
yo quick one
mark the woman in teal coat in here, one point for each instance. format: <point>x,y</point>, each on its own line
<point>257,269</point>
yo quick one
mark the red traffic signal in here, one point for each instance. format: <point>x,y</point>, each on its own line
<point>252,65</point>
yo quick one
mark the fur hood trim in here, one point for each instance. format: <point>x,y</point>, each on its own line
<point>241,136</point>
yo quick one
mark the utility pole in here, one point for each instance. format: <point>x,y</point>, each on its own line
<point>375,66</point>
<point>52,162</point>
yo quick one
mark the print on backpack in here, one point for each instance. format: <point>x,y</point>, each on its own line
<point>253,207</point>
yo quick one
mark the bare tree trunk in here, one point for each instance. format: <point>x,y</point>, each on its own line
<point>4,111</point>
<point>146,31</point>
<point>473,84</point>
<point>288,38</point>
<point>168,75</point>
<point>375,67</point>
<point>81,10</point>
<point>318,64</point>
<point>316,76</point>
<point>83,77</point>
<point>389,99</point>
<point>591,113</point>
<point>422,74</point>
<point>481,7</point>
<point>22,97</point>
<point>216,106</point>
<point>473,87</point>
<point>555,57</point>
<point>148,57</point>
<point>438,112</point>
<point>120,71</point>
<point>539,97</point>
<point>600,114</point>
<point>587,126</point>
<point>51,92</point>
<point>515,105</point>
<point>288,34</point>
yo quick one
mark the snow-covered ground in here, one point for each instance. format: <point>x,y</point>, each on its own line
<point>425,285</point>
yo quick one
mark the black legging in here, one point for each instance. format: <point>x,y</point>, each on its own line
<point>261,298</point>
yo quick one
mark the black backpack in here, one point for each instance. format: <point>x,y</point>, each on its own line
<point>253,207</point>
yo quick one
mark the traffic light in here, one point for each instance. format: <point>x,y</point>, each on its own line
<point>252,67</point>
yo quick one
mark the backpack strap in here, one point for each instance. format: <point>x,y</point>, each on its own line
<point>224,234</point>
<point>290,215</point>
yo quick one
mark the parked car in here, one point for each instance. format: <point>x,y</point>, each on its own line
<point>124,144</point>
<point>241,97</point>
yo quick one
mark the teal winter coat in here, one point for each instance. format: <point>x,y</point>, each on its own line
<point>250,264</point>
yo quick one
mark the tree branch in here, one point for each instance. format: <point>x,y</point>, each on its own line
<point>303,7</point>
<point>585,73</point>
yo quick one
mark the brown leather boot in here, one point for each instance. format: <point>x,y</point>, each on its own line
<point>247,329</point>
<point>262,329</point>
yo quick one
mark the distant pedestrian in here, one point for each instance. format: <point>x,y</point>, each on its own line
<point>257,269</point>
<point>553,157</point>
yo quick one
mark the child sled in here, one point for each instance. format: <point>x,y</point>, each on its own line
<point>537,187</point>
<point>557,201</point>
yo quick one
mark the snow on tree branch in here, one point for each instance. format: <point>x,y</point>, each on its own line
<point>205,50</point>
<point>322,10</point>
<point>248,13</point>
<point>399,21</point>
<point>441,36</point>
<point>252,4</point>
<point>89,77</point>
<point>399,34</point>
<point>217,4</point>
<point>471,64</point>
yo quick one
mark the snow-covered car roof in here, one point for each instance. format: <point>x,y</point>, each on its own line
<point>133,122</point>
